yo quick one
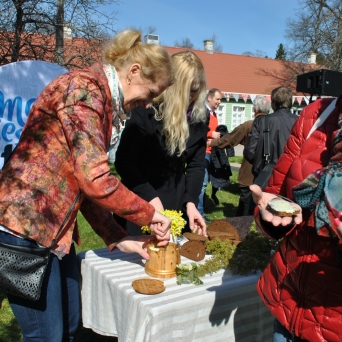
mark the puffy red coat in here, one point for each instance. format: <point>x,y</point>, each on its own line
<point>302,284</point>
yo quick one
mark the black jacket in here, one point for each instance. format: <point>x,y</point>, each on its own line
<point>219,167</point>
<point>146,169</point>
<point>280,124</point>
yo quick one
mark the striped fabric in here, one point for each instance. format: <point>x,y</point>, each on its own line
<point>225,308</point>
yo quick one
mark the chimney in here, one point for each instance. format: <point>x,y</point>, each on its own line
<point>151,39</point>
<point>208,46</point>
<point>312,58</point>
<point>67,32</point>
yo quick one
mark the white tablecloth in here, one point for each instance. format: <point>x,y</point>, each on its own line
<point>224,308</point>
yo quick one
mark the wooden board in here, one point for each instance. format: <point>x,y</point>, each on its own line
<point>148,286</point>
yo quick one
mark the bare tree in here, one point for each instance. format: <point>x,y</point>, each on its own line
<point>217,46</point>
<point>185,43</point>
<point>68,32</point>
<point>257,53</point>
<point>317,28</point>
<point>287,75</point>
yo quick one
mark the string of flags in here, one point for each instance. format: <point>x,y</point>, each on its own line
<point>251,97</point>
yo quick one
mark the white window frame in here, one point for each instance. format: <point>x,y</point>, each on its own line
<point>221,114</point>
<point>235,114</point>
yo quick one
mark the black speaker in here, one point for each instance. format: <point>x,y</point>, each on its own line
<point>320,82</point>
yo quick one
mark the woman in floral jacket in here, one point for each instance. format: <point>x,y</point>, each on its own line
<point>60,165</point>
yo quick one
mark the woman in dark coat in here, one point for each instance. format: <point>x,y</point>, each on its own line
<point>162,158</point>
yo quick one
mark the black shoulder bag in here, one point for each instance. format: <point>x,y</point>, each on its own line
<point>265,174</point>
<point>22,268</point>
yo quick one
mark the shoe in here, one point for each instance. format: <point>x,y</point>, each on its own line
<point>215,199</point>
<point>207,219</point>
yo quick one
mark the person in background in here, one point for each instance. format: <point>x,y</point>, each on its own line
<point>213,101</point>
<point>219,167</point>
<point>301,285</point>
<point>280,124</point>
<point>60,165</point>
<point>239,135</point>
<point>161,153</point>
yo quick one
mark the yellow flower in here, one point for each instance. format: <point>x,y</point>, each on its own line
<point>177,222</point>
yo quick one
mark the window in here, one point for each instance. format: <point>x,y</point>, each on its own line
<point>238,115</point>
<point>297,111</point>
<point>221,114</point>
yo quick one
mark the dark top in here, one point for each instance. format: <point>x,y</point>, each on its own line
<point>149,171</point>
<point>280,124</point>
<point>219,167</point>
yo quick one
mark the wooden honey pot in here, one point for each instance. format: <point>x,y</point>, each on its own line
<point>163,260</point>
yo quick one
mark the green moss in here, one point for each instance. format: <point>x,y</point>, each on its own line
<point>222,252</point>
<point>252,254</point>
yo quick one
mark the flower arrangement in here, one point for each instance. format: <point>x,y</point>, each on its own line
<point>177,222</point>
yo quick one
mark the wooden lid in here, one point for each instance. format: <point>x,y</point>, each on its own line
<point>148,286</point>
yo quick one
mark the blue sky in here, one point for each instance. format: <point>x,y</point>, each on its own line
<point>240,26</point>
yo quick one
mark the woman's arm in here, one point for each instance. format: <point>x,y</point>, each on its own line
<point>84,120</point>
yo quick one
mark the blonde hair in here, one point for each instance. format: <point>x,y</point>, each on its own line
<point>126,48</point>
<point>173,103</point>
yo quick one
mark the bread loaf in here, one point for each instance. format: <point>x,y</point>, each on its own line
<point>193,250</point>
<point>280,207</point>
<point>224,231</point>
<point>196,237</point>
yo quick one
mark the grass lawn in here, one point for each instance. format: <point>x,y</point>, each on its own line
<point>228,197</point>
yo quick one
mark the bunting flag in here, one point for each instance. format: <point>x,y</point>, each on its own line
<point>245,97</point>
<point>252,96</point>
<point>236,97</point>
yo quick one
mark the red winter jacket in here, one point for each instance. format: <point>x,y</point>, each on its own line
<point>302,284</point>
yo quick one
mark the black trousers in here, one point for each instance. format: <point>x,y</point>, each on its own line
<point>246,204</point>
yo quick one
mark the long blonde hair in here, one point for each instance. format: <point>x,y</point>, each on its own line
<point>173,103</point>
<point>126,48</point>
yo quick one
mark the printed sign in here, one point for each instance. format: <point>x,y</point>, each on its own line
<point>20,84</point>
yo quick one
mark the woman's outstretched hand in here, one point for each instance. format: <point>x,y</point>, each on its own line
<point>196,221</point>
<point>136,244</point>
<point>261,199</point>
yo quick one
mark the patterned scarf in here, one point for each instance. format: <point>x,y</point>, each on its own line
<point>321,191</point>
<point>117,101</point>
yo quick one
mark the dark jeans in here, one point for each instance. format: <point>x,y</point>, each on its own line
<point>280,334</point>
<point>200,206</point>
<point>246,204</point>
<point>55,316</point>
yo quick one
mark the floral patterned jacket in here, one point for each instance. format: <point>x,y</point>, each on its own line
<point>61,153</point>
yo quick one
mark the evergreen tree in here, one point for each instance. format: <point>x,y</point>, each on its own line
<point>281,53</point>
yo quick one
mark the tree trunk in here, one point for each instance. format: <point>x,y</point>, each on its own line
<point>59,57</point>
<point>18,32</point>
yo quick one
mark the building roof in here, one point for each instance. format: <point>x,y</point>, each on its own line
<point>238,74</point>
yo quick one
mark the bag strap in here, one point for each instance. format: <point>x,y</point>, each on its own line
<point>266,140</point>
<point>322,117</point>
<point>54,241</point>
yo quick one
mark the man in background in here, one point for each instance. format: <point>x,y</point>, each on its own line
<point>280,124</point>
<point>239,135</point>
<point>213,101</point>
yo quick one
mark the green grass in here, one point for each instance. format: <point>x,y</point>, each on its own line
<point>228,197</point>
